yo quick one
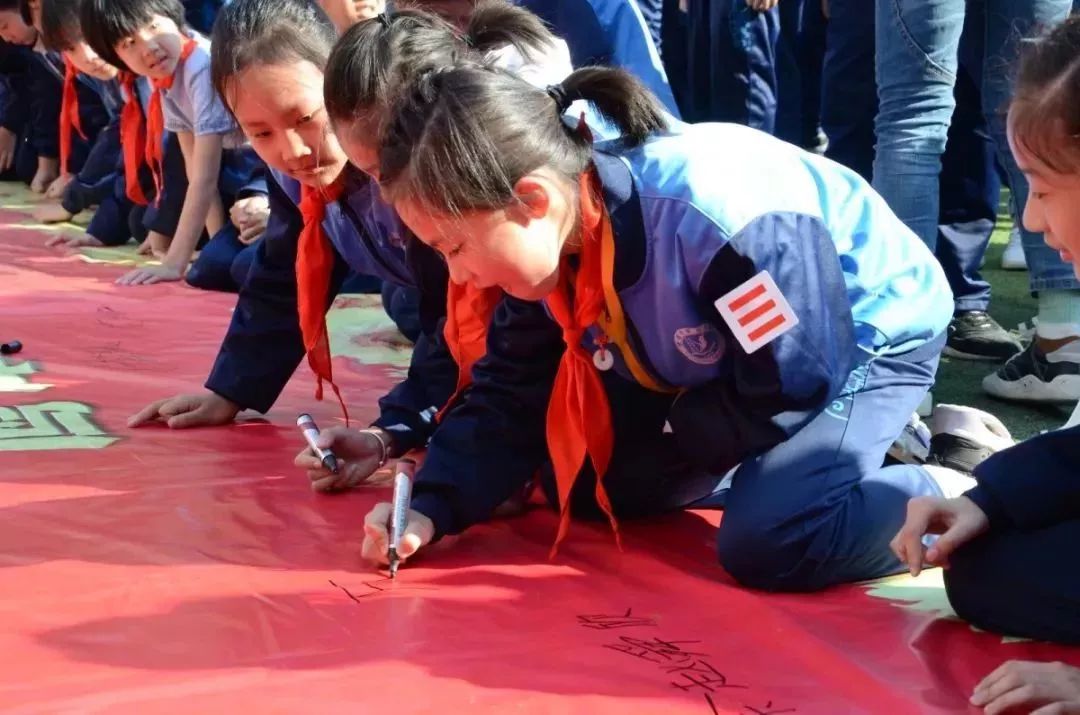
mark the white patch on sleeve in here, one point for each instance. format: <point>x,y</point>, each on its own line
<point>757,312</point>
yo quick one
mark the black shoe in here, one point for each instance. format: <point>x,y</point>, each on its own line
<point>1031,377</point>
<point>974,335</point>
<point>957,453</point>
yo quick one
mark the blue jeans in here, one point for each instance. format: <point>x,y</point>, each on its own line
<point>917,44</point>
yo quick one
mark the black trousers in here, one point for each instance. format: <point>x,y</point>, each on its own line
<point>1020,583</point>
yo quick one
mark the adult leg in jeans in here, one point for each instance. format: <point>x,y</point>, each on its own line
<point>848,89</point>
<point>970,189</point>
<point>916,60</point>
<point>1046,370</point>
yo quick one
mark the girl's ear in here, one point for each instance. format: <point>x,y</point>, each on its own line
<point>533,195</point>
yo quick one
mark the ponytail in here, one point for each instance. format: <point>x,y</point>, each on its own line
<point>373,57</point>
<point>460,139</point>
<point>497,23</point>
<point>621,98</point>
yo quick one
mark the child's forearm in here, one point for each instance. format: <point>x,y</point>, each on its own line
<point>215,215</point>
<point>193,219</point>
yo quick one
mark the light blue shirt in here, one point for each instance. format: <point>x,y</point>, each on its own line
<point>192,105</point>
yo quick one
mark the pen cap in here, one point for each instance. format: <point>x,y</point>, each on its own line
<point>407,467</point>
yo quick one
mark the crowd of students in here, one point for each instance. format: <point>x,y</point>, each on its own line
<point>632,279</point>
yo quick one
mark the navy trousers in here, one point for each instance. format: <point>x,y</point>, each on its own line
<point>815,510</point>
<point>848,87</point>
<point>1020,583</point>
<point>731,72</point>
<point>970,183</point>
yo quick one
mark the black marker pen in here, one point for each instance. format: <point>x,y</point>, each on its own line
<point>311,435</point>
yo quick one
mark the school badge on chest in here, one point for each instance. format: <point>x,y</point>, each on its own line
<point>602,358</point>
<point>701,344</point>
<point>757,312</point>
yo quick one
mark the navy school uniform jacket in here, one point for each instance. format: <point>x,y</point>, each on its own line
<point>697,213</point>
<point>264,345</point>
<point>102,182</point>
<point>95,182</point>
<point>1032,485</point>
<point>608,32</point>
<point>46,88</point>
<point>14,67</point>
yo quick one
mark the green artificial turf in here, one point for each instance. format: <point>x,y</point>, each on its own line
<point>960,381</point>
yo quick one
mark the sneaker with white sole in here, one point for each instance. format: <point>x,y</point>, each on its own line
<point>1013,258</point>
<point>974,335</point>
<point>963,437</point>
<point>1033,376</point>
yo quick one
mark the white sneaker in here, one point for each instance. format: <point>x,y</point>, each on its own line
<point>963,438</point>
<point>975,425</point>
<point>913,444</point>
<point>1013,258</point>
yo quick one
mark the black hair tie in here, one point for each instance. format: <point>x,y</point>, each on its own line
<point>561,97</point>
<point>384,19</point>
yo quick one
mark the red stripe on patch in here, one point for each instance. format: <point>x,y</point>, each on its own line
<point>757,312</point>
<point>743,300</point>
<point>768,327</point>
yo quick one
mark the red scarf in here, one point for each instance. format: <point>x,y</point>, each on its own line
<point>314,266</point>
<point>468,314</point>
<point>579,415</point>
<point>132,139</point>
<point>69,114</point>
<point>155,118</point>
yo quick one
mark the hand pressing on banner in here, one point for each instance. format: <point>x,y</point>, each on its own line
<point>1024,686</point>
<point>957,520</point>
<point>419,531</point>
<point>74,240</point>
<point>208,409</point>
<point>52,213</point>
<point>360,455</point>
<point>57,187</point>
<point>148,275</point>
